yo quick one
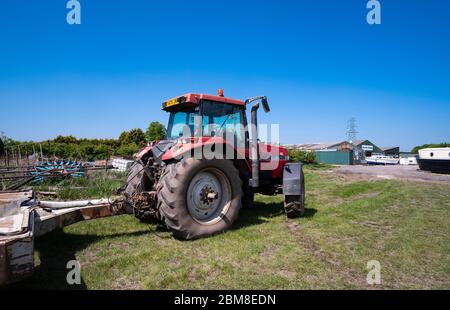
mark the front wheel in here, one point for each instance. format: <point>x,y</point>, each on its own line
<point>199,198</point>
<point>137,184</point>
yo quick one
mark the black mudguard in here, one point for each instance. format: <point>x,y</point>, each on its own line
<point>294,190</point>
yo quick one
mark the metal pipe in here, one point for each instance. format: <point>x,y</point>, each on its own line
<point>254,147</point>
<point>73,204</point>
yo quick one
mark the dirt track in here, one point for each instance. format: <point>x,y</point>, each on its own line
<point>392,172</point>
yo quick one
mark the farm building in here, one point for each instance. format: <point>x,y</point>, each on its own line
<point>335,157</point>
<point>336,153</point>
<point>343,152</point>
<point>391,151</point>
<point>330,146</point>
<point>363,149</point>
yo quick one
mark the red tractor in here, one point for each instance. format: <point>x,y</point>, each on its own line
<point>196,180</point>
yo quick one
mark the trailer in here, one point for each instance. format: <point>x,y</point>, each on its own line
<point>23,218</point>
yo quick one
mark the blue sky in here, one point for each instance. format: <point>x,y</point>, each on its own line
<point>319,62</point>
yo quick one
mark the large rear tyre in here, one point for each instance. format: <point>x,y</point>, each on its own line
<point>199,198</point>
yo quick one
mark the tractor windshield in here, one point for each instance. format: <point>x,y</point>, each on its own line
<point>220,119</point>
<point>215,119</point>
<point>224,120</point>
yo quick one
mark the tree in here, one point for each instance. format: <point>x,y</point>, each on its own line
<point>135,136</point>
<point>155,131</point>
<point>124,137</point>
<point>4,142</point>
<point>65,139</point>
<point>2,146</point>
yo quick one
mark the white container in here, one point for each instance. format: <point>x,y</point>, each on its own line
<point>408,161</point>
<point>121,165</point>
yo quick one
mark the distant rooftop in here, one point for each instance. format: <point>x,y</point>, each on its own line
<point>358,142</point>
<point>317,146</point>
<point>388,148</point>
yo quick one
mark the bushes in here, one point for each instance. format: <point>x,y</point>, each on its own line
<point>302,156</point>
<point>69,147</point>
<point>425,146</point>
<point>127,150</point>
<point>76,149</point>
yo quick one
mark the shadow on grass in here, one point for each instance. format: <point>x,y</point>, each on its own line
<point>56,249</point>
<point>261,213</point>
<point>309,212</point>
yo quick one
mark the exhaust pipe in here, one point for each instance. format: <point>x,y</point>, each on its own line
<point>254,147</point>
<point>254,157</point>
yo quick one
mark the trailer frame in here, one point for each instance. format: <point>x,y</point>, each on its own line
<point>23,218</point>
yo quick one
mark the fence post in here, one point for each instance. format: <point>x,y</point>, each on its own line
<point>34,155</point>
<point>28,158</point>
<point>20,155</point>
<point>13,154</point>
<point>42,156</point>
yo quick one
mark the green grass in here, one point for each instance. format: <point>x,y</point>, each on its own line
<point>318,166</point>
<point>403,225</point>
<point>97,185</point>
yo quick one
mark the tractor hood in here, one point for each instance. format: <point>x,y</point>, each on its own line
<point>171,149</point>
<point>162,147</point>
<point>156,149</point>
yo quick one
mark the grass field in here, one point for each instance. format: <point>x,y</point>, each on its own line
<point>403,225</point>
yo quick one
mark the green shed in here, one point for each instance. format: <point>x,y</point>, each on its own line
<point>335,157</point>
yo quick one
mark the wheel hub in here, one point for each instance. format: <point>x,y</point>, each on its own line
<point>208,194</point>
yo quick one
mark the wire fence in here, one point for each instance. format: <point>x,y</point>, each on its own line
<point>19,167</point>
<point>15,156</point>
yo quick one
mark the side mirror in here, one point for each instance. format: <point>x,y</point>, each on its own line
<point>265,105</point>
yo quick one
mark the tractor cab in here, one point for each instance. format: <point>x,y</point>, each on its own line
<point>216,119</point>
<point>199,115</point>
